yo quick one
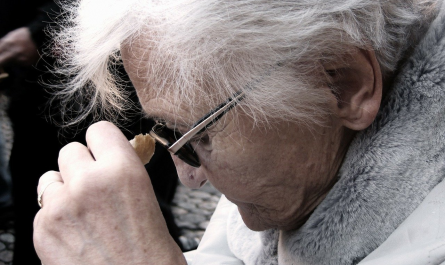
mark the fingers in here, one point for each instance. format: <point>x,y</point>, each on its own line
<point>106,141</point>
<point>73,157</point>
<point>48,184</point>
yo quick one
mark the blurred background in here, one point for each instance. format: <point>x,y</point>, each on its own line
<point>31,137</point>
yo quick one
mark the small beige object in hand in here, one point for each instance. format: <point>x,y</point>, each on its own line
<point>144,145</point>
<point>39,197</point>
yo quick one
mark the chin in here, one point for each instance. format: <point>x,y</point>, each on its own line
<point>252,221</point>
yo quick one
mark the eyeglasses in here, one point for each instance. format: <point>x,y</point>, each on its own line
<point>179,144</point>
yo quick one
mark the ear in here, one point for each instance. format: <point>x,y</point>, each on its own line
<point>357,83</point>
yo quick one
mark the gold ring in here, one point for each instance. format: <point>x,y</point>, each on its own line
<point>39,197</point>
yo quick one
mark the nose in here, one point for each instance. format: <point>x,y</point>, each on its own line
<point>191,177</point>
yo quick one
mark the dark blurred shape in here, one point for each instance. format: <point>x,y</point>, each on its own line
<point>36,145</point>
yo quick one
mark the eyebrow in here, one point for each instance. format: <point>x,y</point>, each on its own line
<point>224,107</point>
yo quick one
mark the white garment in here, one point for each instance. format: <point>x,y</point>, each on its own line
<point>214,248</point>
<point>420,239</point>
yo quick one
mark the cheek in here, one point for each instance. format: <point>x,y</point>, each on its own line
<point>237,167</point>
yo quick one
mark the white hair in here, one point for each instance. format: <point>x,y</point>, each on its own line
<point>277,47</point>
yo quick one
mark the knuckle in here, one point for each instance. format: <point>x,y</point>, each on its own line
<point>55,213</point>
<point>55,209</point>
<point>98,130</point>
<point>66,151</point>
<point>98,126</point>
<point>69,148</point>
<point>48,175</point>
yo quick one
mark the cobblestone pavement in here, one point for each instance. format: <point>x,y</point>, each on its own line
<point>6,230</point>
<point>192,210</point>
<point>6,244</point>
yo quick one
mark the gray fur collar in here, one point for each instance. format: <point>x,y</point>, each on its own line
<point>388,170</point>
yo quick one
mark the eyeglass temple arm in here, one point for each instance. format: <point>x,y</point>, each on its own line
<point>232,102</point>
<point>207,121</point>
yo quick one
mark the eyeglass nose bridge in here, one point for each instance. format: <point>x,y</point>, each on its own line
<point>186,152</point>
<point>162,140</point>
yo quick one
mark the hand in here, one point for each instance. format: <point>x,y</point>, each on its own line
<point>101,208</point>
<point>17,47</point>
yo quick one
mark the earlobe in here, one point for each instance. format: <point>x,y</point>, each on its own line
<point>357,84</point>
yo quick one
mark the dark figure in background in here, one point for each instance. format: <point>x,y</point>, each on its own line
<point>22,24</point>
<point>37,140</point>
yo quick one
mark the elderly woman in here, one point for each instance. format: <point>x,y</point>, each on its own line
<point>321,122</point>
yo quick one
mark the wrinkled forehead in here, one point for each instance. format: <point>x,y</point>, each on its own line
<point>158,88</point>
<point>184,81</point>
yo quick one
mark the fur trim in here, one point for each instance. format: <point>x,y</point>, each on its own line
<point>388,171</point>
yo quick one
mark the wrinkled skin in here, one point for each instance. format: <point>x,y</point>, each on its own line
<point>102,208</point>
<point>275,176</point>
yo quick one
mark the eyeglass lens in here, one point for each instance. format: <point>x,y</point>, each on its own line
<point>186,153</point>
